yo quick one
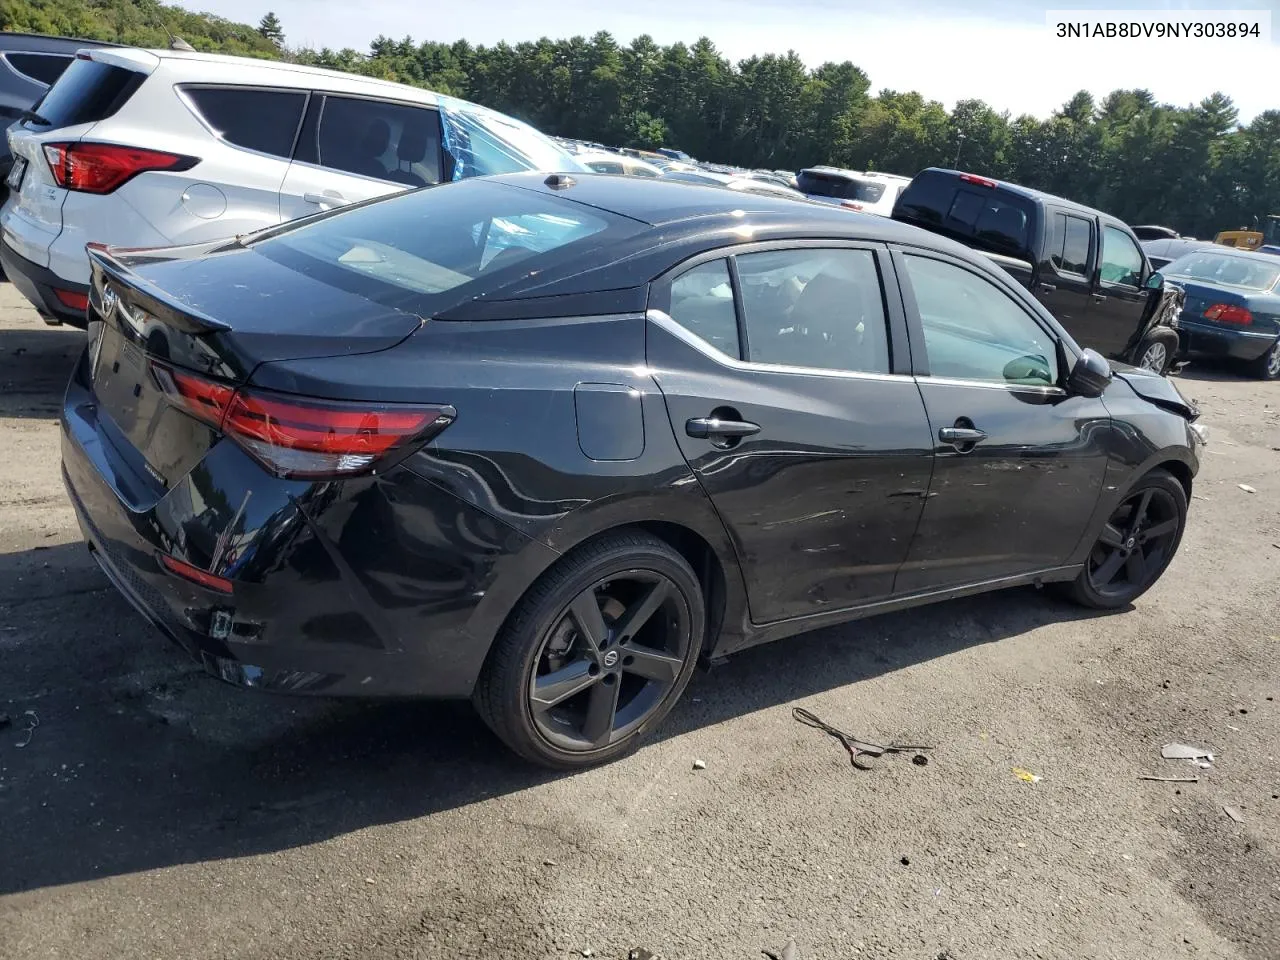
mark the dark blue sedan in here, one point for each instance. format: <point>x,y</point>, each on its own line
<point>1232,308</point>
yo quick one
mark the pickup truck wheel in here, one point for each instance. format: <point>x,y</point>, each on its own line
<point>1154,355</point>
<point>1267,366</point>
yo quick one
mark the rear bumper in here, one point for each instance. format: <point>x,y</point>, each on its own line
<point>366,588</point>
<point>38,283</point>
<point>1213,341</point>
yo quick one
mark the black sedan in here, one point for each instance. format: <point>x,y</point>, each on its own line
<point>1232,308</point>
<point>545,442</point>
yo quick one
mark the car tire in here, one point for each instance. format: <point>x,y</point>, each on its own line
<point>1154,354</point>
<point>1139,540</point>
<point>554,666</point>
<point>1267,366</point>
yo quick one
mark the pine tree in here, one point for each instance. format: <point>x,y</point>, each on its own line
<point>270,28</point>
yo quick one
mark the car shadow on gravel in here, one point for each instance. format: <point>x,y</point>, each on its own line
<point>140,761</point>
<point>35,363</point>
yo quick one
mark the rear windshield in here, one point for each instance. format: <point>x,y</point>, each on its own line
<point>86,92</point>
<point>429,249</point>
<point>1224,269</point>
<point>983,217</point>
<point>839,187</point>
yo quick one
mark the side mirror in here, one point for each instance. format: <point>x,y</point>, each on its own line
<point>1155,281</point>
<point>1090,376</point>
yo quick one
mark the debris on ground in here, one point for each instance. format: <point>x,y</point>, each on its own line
<point>1170,779</point>
<point>920,760</point>
<point>640,953</point>
<point>789,952</point>
<point>587,952</point>
<point>1185,751</point>
<point>1025,775</point>
<point>1246,488</point>
<point>857,749</point>
<point>30,720</point>
<point>699,764</point>
<point>1234,814</point>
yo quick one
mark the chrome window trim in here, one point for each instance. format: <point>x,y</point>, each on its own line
<point>994,385</point>
<point>667,322</point>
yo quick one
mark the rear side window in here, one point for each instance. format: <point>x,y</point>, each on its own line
<point>43,68</point>
<point>702,303</point>
<point>385,141</point>
<point>430,249</point>
<point>86,92</point>
<point>1072,240</point>
<point>814,308</point>
<point>250,117</point>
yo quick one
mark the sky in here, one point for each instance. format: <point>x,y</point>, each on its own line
<point>1000,51</point>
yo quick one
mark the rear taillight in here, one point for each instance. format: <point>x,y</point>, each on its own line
<point>304,437</point>
<point>102,167</point>
<point>1229,313</point>
<point>72,300</point>
<point>851,204</point>
<point>195,574</point>
<point>975,179</point>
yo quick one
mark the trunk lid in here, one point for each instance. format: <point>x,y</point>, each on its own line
<point>92,88</point>
<point>219,317</point>
<point>1201,296</point>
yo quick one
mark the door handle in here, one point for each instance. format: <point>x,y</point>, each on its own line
<point>1046,288</point>
<point>961,435</point>
<point>329,196</point>
<point>1099,298</point>
<point>704,428</point>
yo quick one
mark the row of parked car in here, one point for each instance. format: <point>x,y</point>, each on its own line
<point>545,438</point>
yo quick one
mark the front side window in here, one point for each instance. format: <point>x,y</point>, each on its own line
<point>702,303</point>
<point>254,118</point>
<point>385,141</point>
<point>973,330</point>
<point>818,308</point>
<point>1121,258</point>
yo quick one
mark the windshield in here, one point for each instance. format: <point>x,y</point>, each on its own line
<point>461,238</point>
<point>483,143</point>
<point>840,187</point>
<point>1224,269</point>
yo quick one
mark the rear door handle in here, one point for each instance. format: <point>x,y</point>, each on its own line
<point>329,196</point>
<point>1099,298</point>
<point>1047,288</point>
<point>961,435</point>
<point>703,428</point>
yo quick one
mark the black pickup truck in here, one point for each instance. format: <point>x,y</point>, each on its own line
<point>1086,267</point>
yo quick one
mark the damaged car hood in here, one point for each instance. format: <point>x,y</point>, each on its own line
<point>1156,389</point>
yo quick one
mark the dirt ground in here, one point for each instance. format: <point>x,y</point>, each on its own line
<point>156,813</point>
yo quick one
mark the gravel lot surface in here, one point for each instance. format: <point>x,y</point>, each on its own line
<point>158,813</point>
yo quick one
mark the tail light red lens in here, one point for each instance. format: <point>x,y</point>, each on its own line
<point>72,300</point>
<point>304,437</point>
<point>103,167</point>
<point>1229,313</point>
<point>977,180</point>
<point>195,574</point>
<point>851,204</point>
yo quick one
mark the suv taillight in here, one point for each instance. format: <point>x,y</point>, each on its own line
<point>102,167</point>
<point>304,437</point>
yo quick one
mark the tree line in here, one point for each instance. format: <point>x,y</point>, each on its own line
<point>1192,167</point>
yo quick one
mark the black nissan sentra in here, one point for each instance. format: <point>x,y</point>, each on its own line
<point>544,442</point>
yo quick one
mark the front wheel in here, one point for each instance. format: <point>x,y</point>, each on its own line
<point>1267,366</point>
<point>596,653</point>
<point>1135,546</point>
<point>1154,355</point>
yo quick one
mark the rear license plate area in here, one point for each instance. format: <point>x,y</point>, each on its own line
<point>16,173</point>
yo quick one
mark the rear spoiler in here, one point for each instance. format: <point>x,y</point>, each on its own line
<point>106,265</point>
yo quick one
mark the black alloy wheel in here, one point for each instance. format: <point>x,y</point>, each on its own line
<point>1136,544</point>
<point>596,653</point>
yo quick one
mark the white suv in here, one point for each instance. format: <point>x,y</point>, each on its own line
<point>859,190</point>
<point>144,148</point>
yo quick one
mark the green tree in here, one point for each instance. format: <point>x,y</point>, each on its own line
<point>269,26</point>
